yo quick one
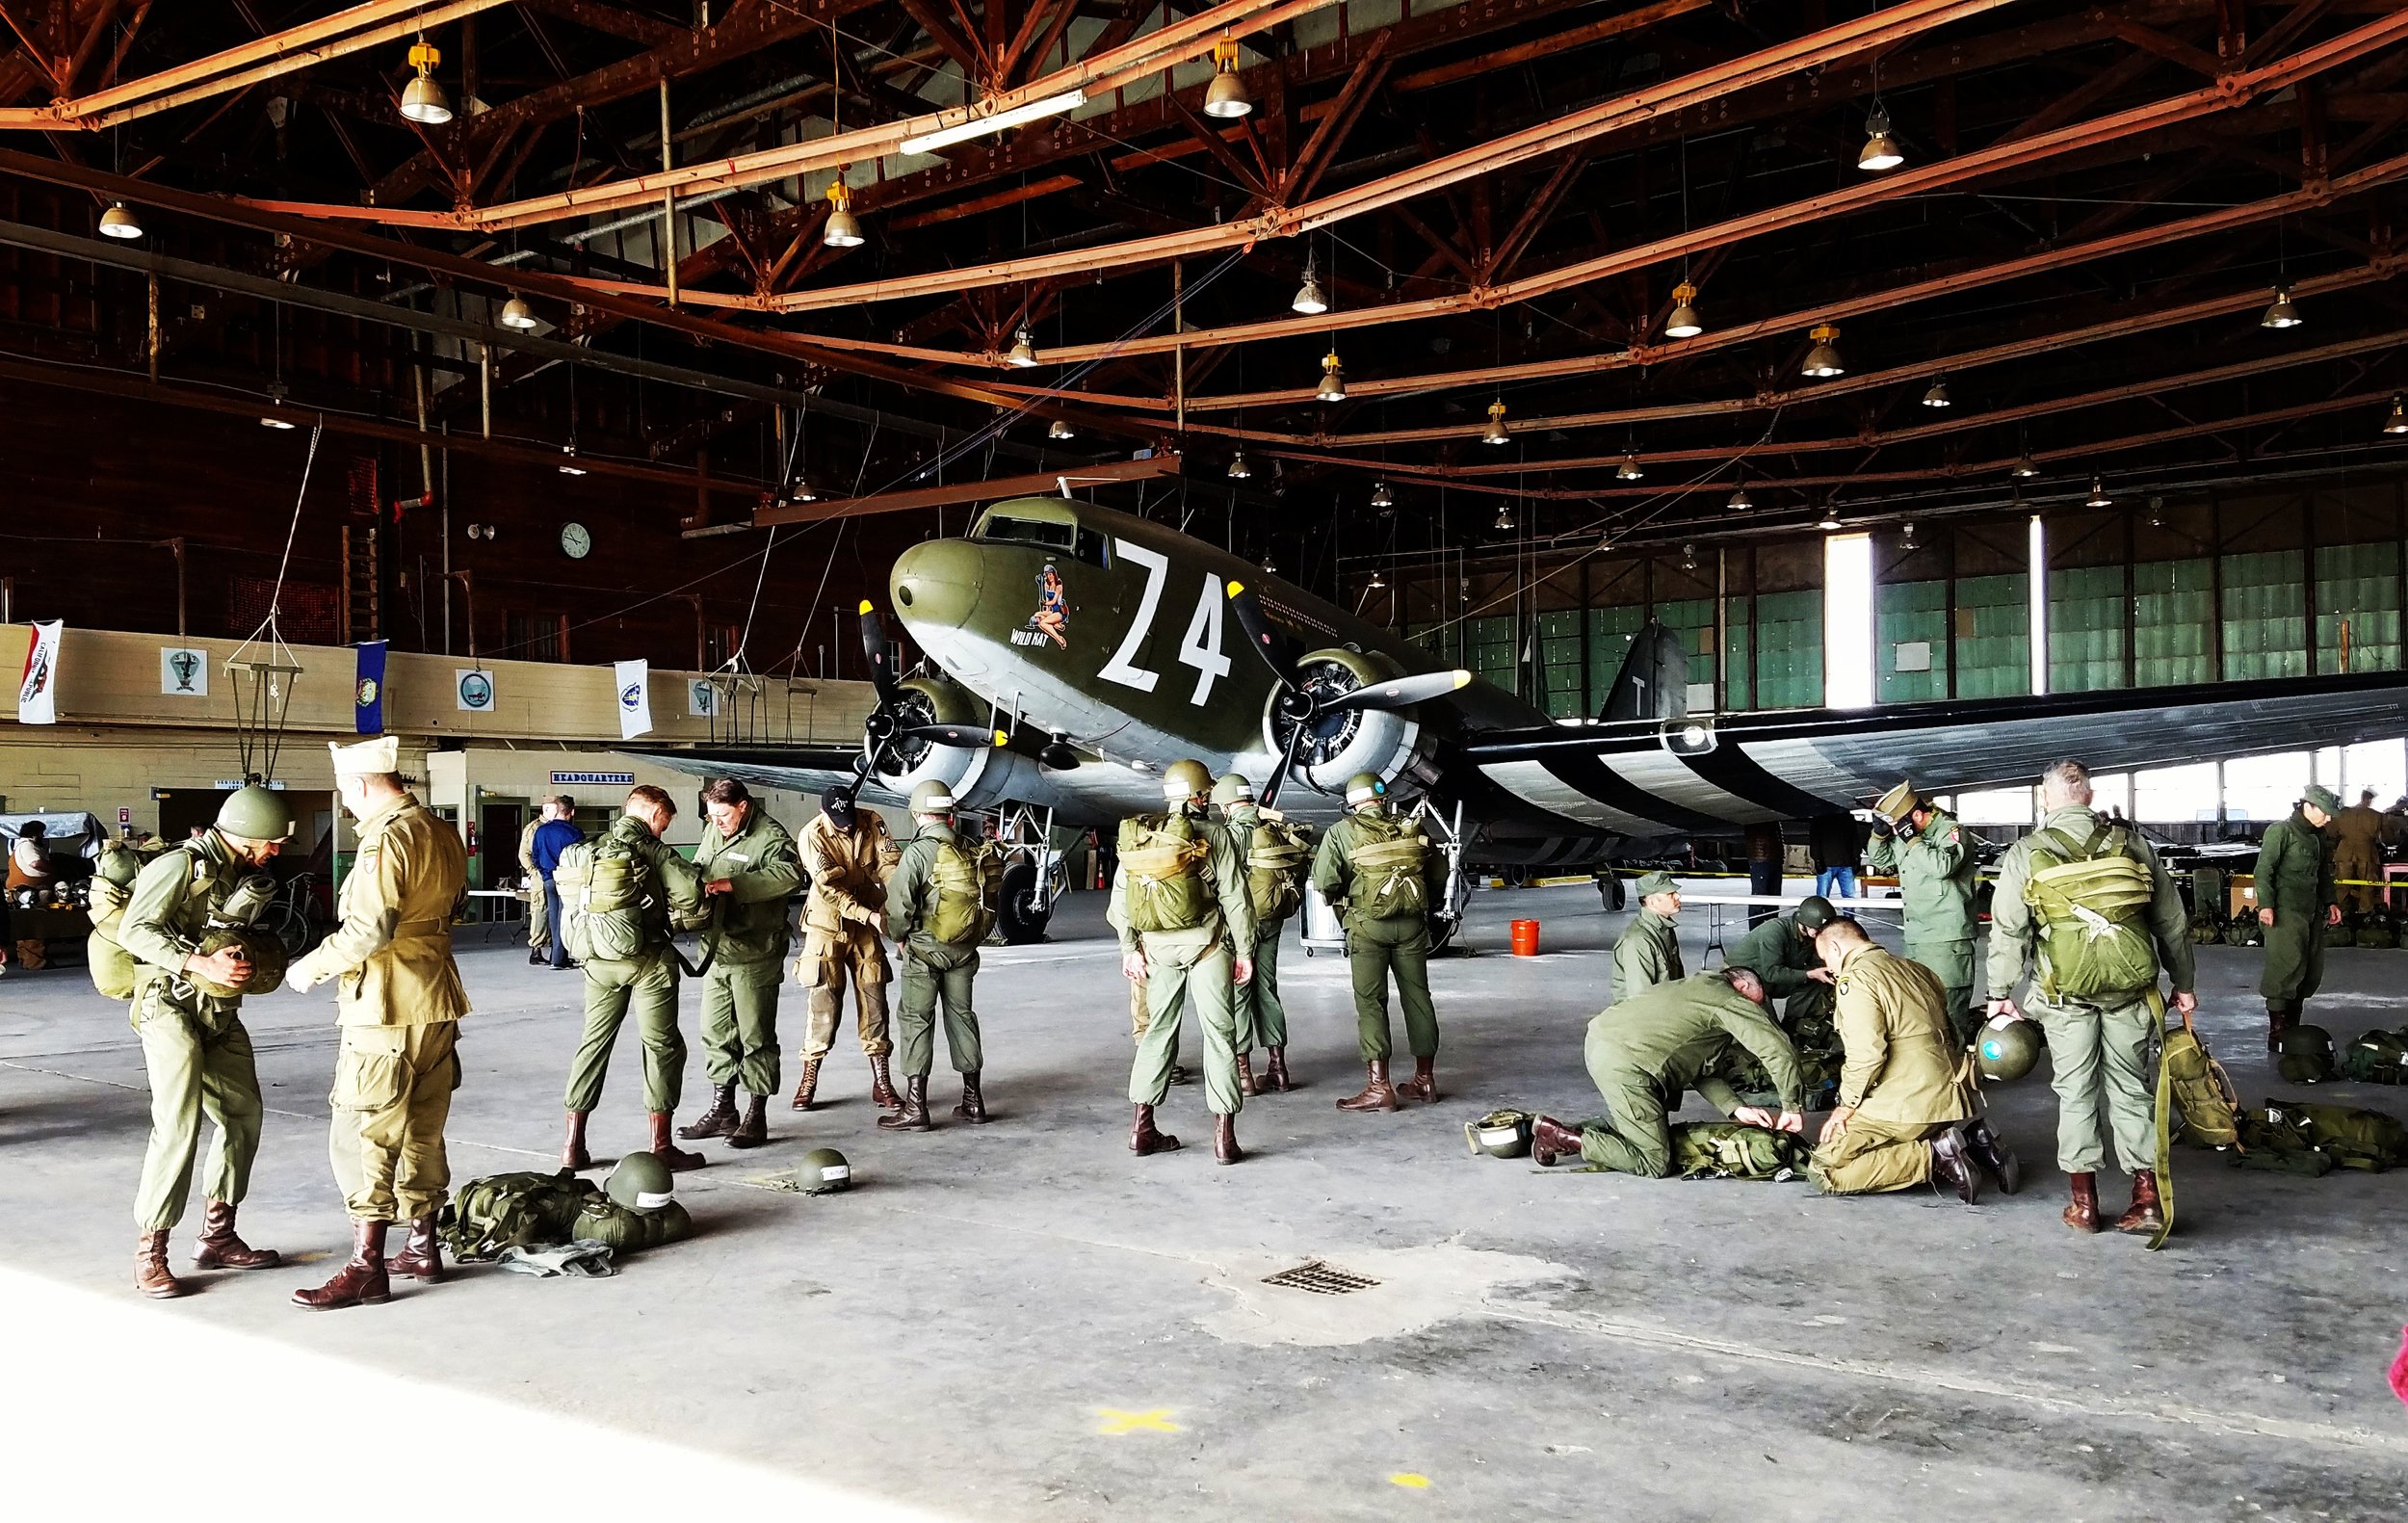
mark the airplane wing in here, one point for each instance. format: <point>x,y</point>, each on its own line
<point>1704,775</point>
<point>801,769</point>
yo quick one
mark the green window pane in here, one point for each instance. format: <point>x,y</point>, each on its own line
<point>1910,629</point>
<point>2085,629</point>
<point>2173,614</point>
<point>1788,650</point>
<point>1993,644</point>
<point>2266,616</point>
<point>2358,607</point>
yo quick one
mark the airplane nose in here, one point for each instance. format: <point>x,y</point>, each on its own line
<point>936,581</point>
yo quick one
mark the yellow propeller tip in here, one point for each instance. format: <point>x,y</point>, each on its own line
<point>1235,588</point>
<point>1462,678</point>
<point>1002,738</point>
<point>865,606</point>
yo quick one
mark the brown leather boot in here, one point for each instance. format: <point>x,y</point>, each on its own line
<point>667,1153</point>
<point>2082,1216</point>
<point>1275,1071</point>
<point>1551,1140</point>
<point>1994,1155</point>
<point>220,1247</point>
<point>881,1086</point>
<point>1953,1169</point>
<point>1245,1074</point>
<point>152,1275</point>
<point>1424,1085</point>
<point>362,1281</point>
<point>913,1115</point>
<point>807,1088</point>
<point>1225,1148</point>
<point>2146,1214</point>
<point>573,1154</point>
<point>754,1129</point>
<point>720,1120</point>
<point>1378,1094</point>
<point>2279,1019</point>
<point>421,1257</point>
<point>1143,1139</point>
<point>972,1106</point>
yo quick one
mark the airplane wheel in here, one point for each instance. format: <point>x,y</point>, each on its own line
<point>1021,918</point>
<point>1611,891</point>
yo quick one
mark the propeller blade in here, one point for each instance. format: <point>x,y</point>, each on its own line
<point>1403,693</point>
<point>976,736</point>
<point>1280,769</point>
<point>1267,643</point>
<point>880,653</point>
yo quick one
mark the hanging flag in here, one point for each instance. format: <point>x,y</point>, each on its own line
<point>368,690</point>
<point>634,682</point>
<point>37,695</point>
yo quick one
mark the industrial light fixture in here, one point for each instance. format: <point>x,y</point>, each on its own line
<point>1381,497</point>
<point>1829,520</point>
<point>804,491</point>
<point>1309,300</point>
<point>1239,469</point>
<point>1936,395</point>
<point>268,420</point>
<point>1630,470</point>
<point>569,461</point>
<point>1689,558</point>
<point>1495,433</point>
<point>120,221</point>
<point>2097,495</point>
<point>423,100</point>
<point>1377,582</point>
<point>517,314</point>
<point>2398,422</point>
<point>2280,312</point>
<point>1739,501</point>
<point>1504,516</point>
<point>999,121</point>
<point>1225,97</point>
<point>1333,386</point>
<point>1023,353</point>
<point>1906,536</point>
<point>1683,323</point>
<point>1880,152</point>
<point>844,228</point>
<point>2024,465</point>
<point>1061,429</point>
<point>1823,359</point>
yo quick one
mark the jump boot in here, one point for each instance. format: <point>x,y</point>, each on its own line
<point>1378,1094</point>
<point>2082,1216</point>
<point>152,1275</point>
<point>1551,1140</point>
<point>667,1153</point>
<point>361,1282</point>
<point>421,1257</point>
<point>807,1088</point>
<point>1225,1148</point>
<point>720,1120</point>
<point>1424,1085</point>
<point>1143,1139</point>
<point>972,1106</point>
<point>220,1247</point>
<point>1994,1155</point>
<point>1953,1168</point>
<point>913,1113</point>
<point>2145,1214</point>
<point>1275,1071</point>
<point>882,1085</point>
<point>573,1154</point>
<point>2280,1017</point>
<point>754,1130</point>
<point>1245,1074</point>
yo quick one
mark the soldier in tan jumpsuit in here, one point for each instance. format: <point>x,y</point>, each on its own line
<point>2358,852</point>
<point>539,926</point>
<point>848,855</point>
<point>398,1004</point>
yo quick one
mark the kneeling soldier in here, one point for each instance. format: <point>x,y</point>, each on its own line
<point>940,903</point>
<point>1782,951</point>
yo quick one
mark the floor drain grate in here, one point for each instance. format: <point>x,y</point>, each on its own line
<point>1320,1279</point>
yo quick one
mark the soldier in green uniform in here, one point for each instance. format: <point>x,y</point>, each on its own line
<point>1649,951</point>
<point>1643,1053</point>
<point>397,1008</point>
<point>2294,884</point>
<point>1386,879</point>
<point>628,894</point>
<point>1910,1108</point>
<point>1274,854</point>
<point>2087,903</point>
<point>940,905</point>
<point>1782,953</point>
<point>1179,902</point>
<point>194,1043</point>
<point>748,868</point>
<point>1924,846</point>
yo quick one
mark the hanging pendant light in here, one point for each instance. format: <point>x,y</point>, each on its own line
<point>843,229</point>
<point>1309,300</point>
<point>1023,353</point>
<point>1495,433</point>
<point>1822,362</point>
<point>1829,520</point>
<point>1689,558</point>
<point>2097,495</point>
<point>1739,501</point>
<point>2398,422</point>
<point>1906,536</point>
<point>1880,152</point>
<point>1683,323</point>
<point>1061,429</point>
<point>569,461</point>
<point>1381,498</point>
<point>1378,582</point>
<point>1225,97</point>
<point>1333,386</point>
<point>1936,395</point>
<point>120,221</point>
<point>2280,312</point>
<point>423,100</point>
<point>1630,470</point>
<point>517,314</point>
<point>1239,469</point>
<point>1504,516</point>
<point>2024,466</point>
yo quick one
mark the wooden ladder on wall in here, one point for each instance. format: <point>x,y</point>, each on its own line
<point>362,618</point>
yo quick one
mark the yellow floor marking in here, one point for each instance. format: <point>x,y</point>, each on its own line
<point>1409,1481</point>
<point>1155,1421</point>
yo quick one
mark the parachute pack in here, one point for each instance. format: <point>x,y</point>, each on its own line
<point>969,882</point>
<point>111,966</point>
<point>2201,1091</point>
<point>2378,1056</point>
<point>603,891</point>
<point>1164,856</point>
<point>1387,867</point>
<point>1276,852</point>
<point>2090,896</point>
<point>2352,1137</point>
<point>1735,1150</point>
<point>526,1210</point>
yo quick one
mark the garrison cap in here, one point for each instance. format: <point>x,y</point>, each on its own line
<point>2322,798</point>
<point>1898,803</point>
<point>1814,912</point>
<point>367,758</point>
<point>1657,881</point>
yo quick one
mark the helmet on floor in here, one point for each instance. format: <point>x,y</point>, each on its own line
<point>1501,1133</point>
<point>2007,1048</point>
<point>823,1171</point>
<point>641,1182</point>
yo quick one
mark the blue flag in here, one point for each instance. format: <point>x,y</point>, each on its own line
<point>368,690</point>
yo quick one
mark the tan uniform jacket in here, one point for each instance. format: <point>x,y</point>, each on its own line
<point>2359,829</point>
<point>1901,1065</point>
<point>392,955</point>
<point>526,848</point>
<point>848,872</point>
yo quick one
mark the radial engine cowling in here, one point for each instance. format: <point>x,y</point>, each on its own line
<point>909,763</point>
<point>1339,745</point>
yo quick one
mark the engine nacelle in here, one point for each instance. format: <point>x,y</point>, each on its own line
<point>1382,741</point>
<point>931,701</point>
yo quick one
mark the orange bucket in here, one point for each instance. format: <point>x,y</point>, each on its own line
<point>1526,939</point>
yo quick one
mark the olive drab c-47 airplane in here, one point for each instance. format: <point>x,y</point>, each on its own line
<point>1074,651</point>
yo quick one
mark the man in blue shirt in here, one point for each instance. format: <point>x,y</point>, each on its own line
<point>556,835</point>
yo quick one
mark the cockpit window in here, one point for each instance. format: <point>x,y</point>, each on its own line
<point>1045,533</point>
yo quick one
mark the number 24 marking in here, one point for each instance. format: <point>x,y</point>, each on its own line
<point>1199,649</point>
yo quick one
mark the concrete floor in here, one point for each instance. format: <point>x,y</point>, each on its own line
<point>1024,1322</point>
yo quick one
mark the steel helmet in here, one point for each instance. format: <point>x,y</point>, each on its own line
<point>823,1171</point>
<point>932,798</point>
<point>1814,912</point>
<point>120,866</point>
<point>1183,781</point>
<point>1365,788</point>
<point>2306,1056</point>
<point>2008,1047</point>
<point>641,1182</point>
<point>1501,1133</point>
<point>1232,788</point>
<point>256,814</point>
<point>265,953</point>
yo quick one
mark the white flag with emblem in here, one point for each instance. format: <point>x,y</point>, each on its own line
<point>37,694</point>
<point>635,698</point>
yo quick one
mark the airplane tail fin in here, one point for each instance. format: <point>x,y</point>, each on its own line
<point>1654,680</point>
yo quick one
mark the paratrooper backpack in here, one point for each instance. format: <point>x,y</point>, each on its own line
<point>1386,867</point>
<point>1276,852</point>
<point>2090,896</point>
<point>603,887</point>
<point>1735,1150</point>
<point>969,883</point>
<point>1164,859</point>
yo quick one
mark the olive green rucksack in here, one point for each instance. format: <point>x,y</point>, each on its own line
<point>1386,867</point>
<point>2342,932</point>
<point>2200,1090</point>
<point>969,883</point>
<point>2376,1058</point>
<point>1162,862</point>
<point>2307,1055</point>
<point>2370,1140</point>
<point>1276,852</point>
<point>502,1211</point>
<point>1735,1150</point>
<point>111,966</point>
<point>263,950</point>
<point>2375,930</point>
<point>603,887</point>
<point>2090,896</point>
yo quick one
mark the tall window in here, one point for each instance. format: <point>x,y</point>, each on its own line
<point>535,637</point>
<point>1847,600</point>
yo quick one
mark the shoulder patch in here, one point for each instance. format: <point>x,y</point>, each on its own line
<point>1840,988</point>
